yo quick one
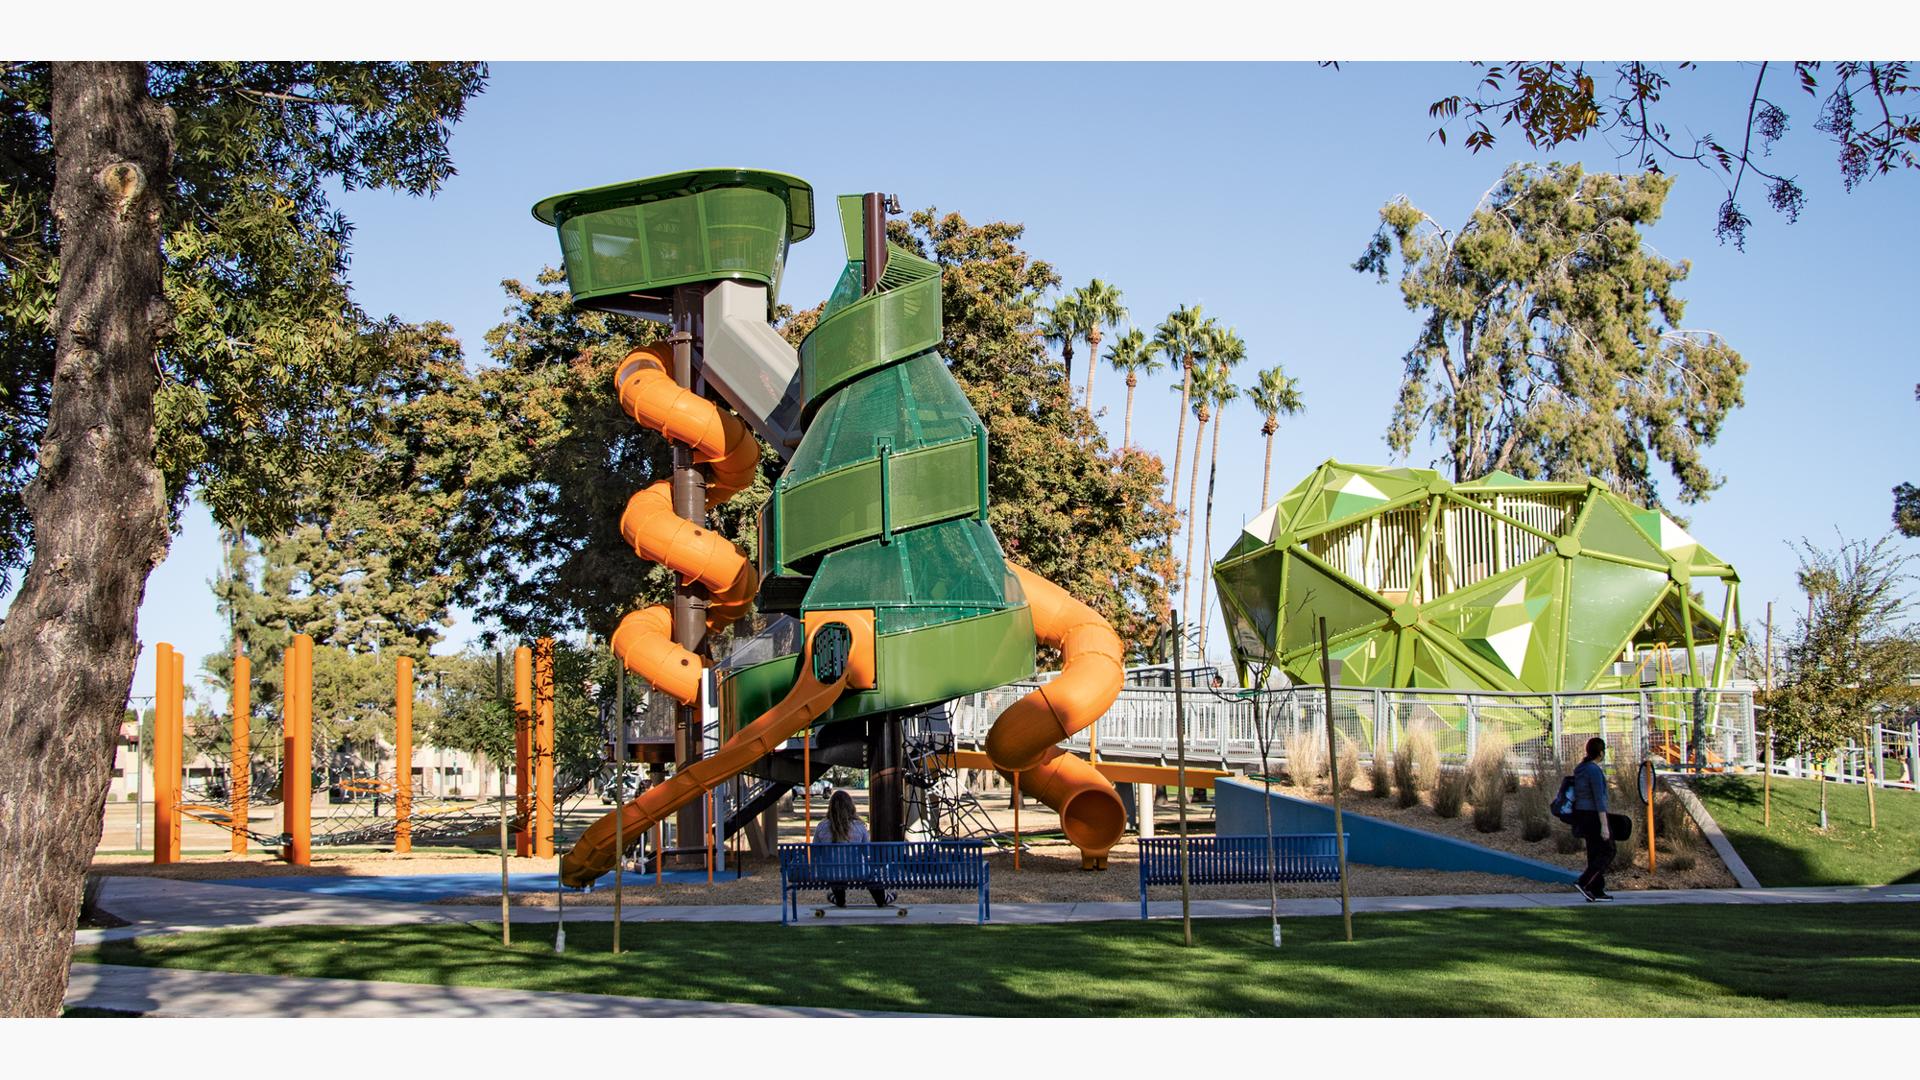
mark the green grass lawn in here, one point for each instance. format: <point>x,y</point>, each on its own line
<point>1801,960</point>
<point>1795,852</point>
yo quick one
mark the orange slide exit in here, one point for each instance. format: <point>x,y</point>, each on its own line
<point>644,639</point>
<point>1024,739</point>
<point>809,699</point>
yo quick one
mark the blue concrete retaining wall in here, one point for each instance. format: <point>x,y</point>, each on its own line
<point>1372,841</point>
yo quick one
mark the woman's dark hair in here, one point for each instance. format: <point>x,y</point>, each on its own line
<point>840,816</point>
<point>1596,747</point>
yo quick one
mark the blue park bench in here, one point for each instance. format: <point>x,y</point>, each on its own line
<point>918,865</point>
<point>1238,860</point>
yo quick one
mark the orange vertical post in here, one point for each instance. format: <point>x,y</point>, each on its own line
<point>523,749</point>
<point>543,748</point>
<point>240,760</point>
<point>296,770</point>
<point>403,755</point>
<point>176,742</point>
<point>165,794</point>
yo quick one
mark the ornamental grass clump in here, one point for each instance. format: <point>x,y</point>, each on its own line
<point>1380,772</point>
<point>1449,792</point>
<point>1406,785</point>
<point>1426,755</point>
<point>1306,758</point>
<point>1348,762</point>
<point>1487,781</point>
<point>1533,797</point>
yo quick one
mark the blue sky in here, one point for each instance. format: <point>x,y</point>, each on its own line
<point>1246,188</point>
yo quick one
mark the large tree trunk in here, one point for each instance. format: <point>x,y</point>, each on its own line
<point>1093,362</point>
<point>1193,500</point>
<point>1266,474</point>
<point>1126,437</point>
<point>99,508</point>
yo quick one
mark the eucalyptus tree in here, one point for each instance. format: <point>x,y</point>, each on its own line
<point>1133,353</point>
<point>175,320</point>
<point>1275,394</point>
<point>1100,306</point>
<point>1551,346</point>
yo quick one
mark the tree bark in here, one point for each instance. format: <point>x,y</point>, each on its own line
<point>1206,546</point>
<point>1266,474</point>
<point>1126,437</point>
<point>1173,478</point>
<point>1193,500</point>
<point>99,506</point>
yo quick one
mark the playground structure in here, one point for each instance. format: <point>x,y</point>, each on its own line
<point>1496,584</point>
<point>877,523</point>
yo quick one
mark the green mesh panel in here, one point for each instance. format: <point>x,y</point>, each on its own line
<point>1311,593</point>
<point>728,232</point>
<point>947,571</point>
<point>915,403</point>
<point>1609,530</point>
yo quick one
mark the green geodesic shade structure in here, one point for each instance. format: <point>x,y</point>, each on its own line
<point>1496,584</point>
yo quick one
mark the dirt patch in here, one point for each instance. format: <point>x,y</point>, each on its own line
<point>217,867</point>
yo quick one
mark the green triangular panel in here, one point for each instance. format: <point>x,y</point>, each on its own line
<point>1512,623</point>
<point>1245,544</point>
<point>1366,662</point>
<point>1433,669</point>
<point>1312,594</point>
<point>1608,600</point>
<point>1253,585</point>
<point>1609,530</point>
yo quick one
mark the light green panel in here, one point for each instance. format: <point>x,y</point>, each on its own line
<point>850,504</point>
<point>1609,530</point>
<point>1313,594</point>
<point>1610,602</point>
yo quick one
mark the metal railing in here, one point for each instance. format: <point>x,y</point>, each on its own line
<point>1714,726</point>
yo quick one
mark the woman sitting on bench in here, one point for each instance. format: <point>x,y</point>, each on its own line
<point>843,826</point>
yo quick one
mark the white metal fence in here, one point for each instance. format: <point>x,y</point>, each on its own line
<point>1674,725</point>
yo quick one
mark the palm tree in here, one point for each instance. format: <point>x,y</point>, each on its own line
<point>1179,336</point>
<point>1064,323</point>
<point>1099,306</point>
<point>1203,391</point>
<point>1133,354</point>
<point>1223,391</point>
<point>1276,394</point>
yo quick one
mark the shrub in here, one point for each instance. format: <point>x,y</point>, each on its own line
<point>1533,829</point>
<point>1381,772</point>
<point>1566,843</point>
<point>1406,786</point>
<point>1624,764</point>
<point>1306,759</point>
<point>1671,822</point>
<point>1623,855</point>
<point>1679,861</point>
<point>1449,791</point>
<point>1347,762</point>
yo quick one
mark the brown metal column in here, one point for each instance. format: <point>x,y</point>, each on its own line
<point>689,601</point>
<point>886,778</point>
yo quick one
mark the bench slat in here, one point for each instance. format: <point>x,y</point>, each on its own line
<point>1238,860</point>
<point>909,864</point>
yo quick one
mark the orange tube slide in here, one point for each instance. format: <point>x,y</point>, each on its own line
<point>1024,738</point>
<point>644,639</point>
<point>593,854</point>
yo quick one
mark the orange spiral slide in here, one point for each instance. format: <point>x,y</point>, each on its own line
<point>644,639</point>
<point>1024,740</point>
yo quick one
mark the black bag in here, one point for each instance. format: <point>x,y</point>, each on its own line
<point>1562,804</point>
<point>1619,828</point>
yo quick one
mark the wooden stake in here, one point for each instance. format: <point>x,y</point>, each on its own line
<point>1333,764</point>
<point>1016,821</point>
<point>1180,745</point>
<point>1766,779</point>
<point>620,791</point>
<point>506,924</point>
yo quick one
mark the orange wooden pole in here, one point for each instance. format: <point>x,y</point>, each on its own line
<point>240,766</point>
<point>543,748</point>
<point>523,749</point>
<point>176,753</point>
<point>296,774</point>
<point>403,755</point>
<point>165,795</point>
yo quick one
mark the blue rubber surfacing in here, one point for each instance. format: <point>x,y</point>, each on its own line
<point>423,888</point>
<point>1371,841</point>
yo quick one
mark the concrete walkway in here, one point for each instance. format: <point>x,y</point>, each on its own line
<point>164,992</point>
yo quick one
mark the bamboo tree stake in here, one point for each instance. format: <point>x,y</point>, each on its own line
<point>1180,744</point>
<point>1766,780</point>
<point>620,792</point>
<point>506,926</point>
<point>1016,821</point>
<point>1333,764</point>
<point>1873,751</point>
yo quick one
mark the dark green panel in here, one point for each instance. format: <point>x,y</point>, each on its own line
<point>1252,585</point>
<point>1608,530</point>
<point>845,506</point>
<point>900,321</point>
<point>954,569</point>
<point>913,404</point>
<point>728,233</point>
